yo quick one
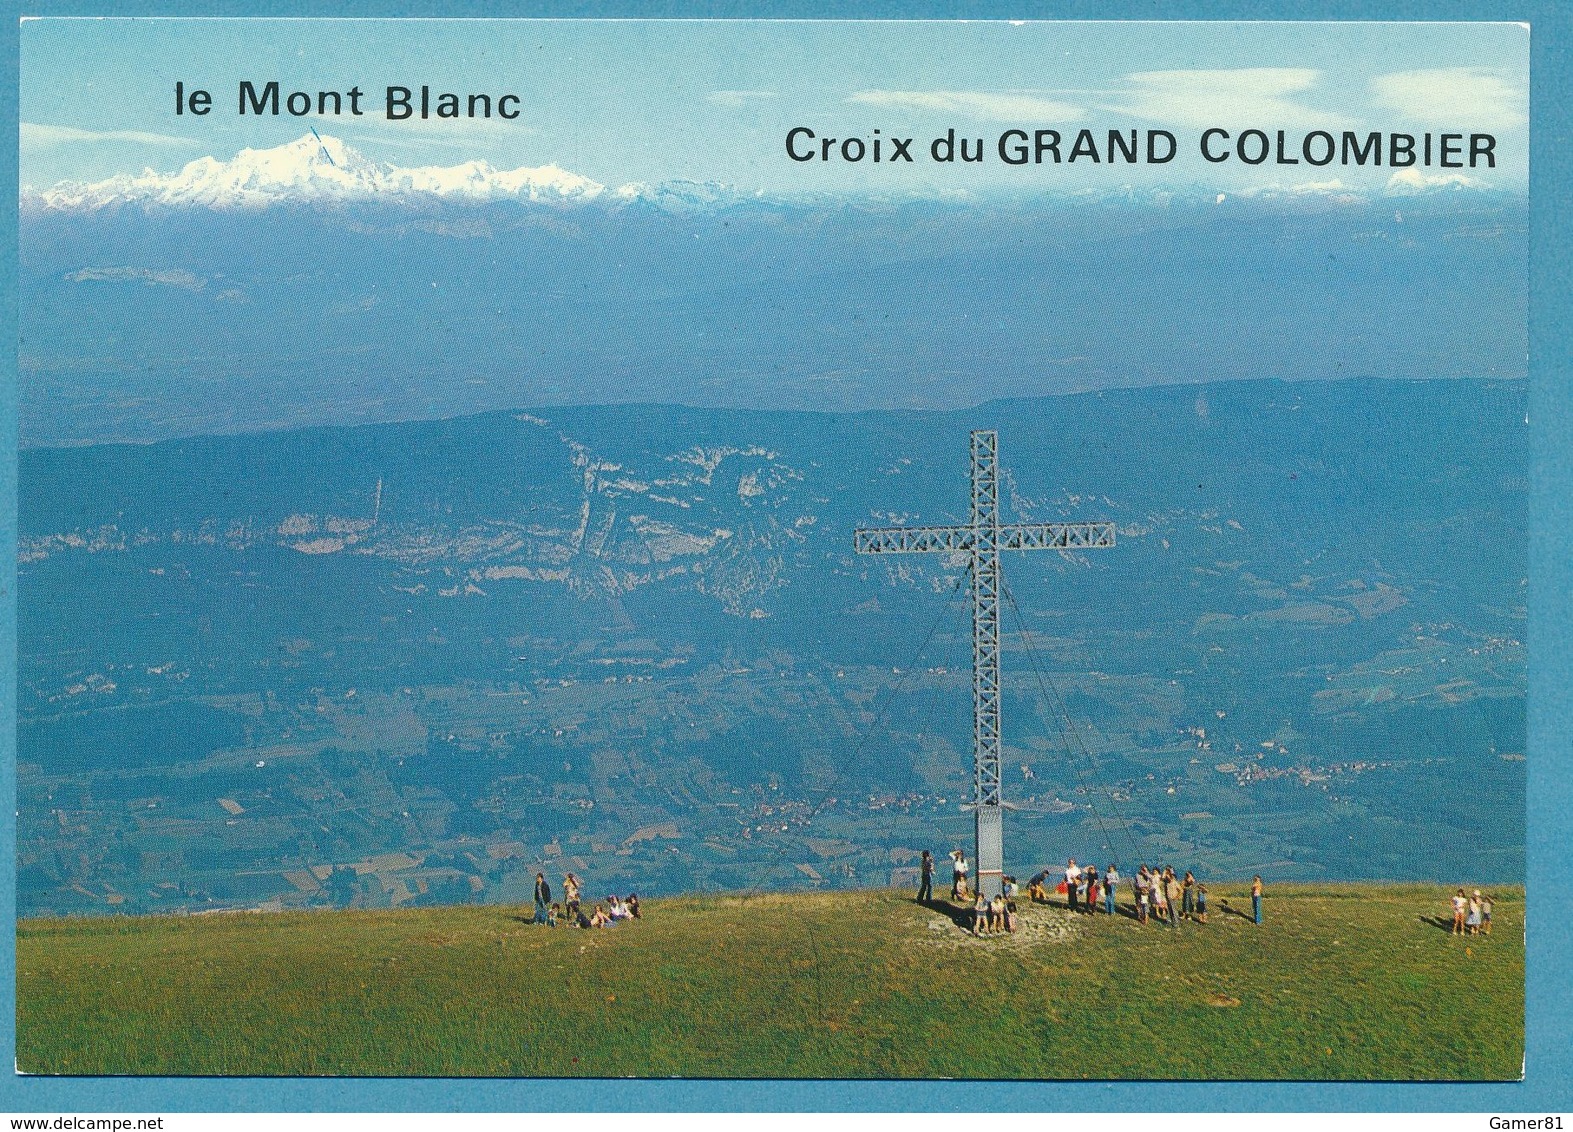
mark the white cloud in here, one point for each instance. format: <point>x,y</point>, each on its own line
<point>1251,96</point>
<point>984,105</point>
<point>176,278</point>
<point>472,136</point>
<point>1466,97</point>
<point>34,135</point>
<point>1412,182</point>
<point>739,97</point>
<point>1333,189</point>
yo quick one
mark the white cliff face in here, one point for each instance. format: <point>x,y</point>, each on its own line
<point>318,170</point>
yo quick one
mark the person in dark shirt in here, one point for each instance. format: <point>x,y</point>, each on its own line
<point>543,898</point>
<point>926,879</point>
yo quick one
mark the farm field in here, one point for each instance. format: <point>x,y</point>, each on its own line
<point>1340,983</point>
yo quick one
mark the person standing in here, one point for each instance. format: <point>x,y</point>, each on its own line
<point>1485,913</point>
<point>543,898</point>
<point>1472,921</point>
<point>1159,880</point>
<point>571,895</point>
<point>1175,892</point>
<point>958,875</point>
<point>1188,899</point>
<point>1111,878</point>
<point>926,878</point>
<point>1460,907</point>
<point>1092,889</point>
<point>1256,898</point>
<point>1072,880</point>
<point>1201,903</point>
<point>1143,894</point>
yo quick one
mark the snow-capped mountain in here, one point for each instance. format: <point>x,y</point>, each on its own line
<point>318,170</point>
<point>324,170</point>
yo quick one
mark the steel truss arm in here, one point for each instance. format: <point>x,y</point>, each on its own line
<point>1015,536</point>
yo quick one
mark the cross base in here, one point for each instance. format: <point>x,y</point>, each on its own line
<point>991,851</point>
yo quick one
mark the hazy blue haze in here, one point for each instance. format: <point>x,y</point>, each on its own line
<point>141,325</point>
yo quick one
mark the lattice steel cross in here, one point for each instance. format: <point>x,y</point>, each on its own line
<point>981,540</point>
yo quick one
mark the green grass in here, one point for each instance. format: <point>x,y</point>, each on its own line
<point>1349,983</point>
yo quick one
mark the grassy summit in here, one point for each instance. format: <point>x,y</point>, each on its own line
<point>1348,982</point>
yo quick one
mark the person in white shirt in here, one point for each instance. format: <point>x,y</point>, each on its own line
<point>958,875</point>
<point>1460,909</point>
<point>1072,882</point>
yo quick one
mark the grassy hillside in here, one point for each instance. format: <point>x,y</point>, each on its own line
<point>1361,982</point>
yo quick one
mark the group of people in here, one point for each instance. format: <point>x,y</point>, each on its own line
<point>572,912</point>
<point>991,917</point>
<point>1160,894</point>
<point>1471,914</point>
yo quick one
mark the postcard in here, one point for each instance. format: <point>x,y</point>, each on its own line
<point>772,549</point>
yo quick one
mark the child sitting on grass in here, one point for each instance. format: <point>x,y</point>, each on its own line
<point>553,915</point>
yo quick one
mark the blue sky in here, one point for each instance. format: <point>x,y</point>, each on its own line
<point>623,101</point>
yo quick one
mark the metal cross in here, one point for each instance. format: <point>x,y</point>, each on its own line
<point>981,540</point>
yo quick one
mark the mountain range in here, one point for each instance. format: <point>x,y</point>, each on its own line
<point>322,169</point>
